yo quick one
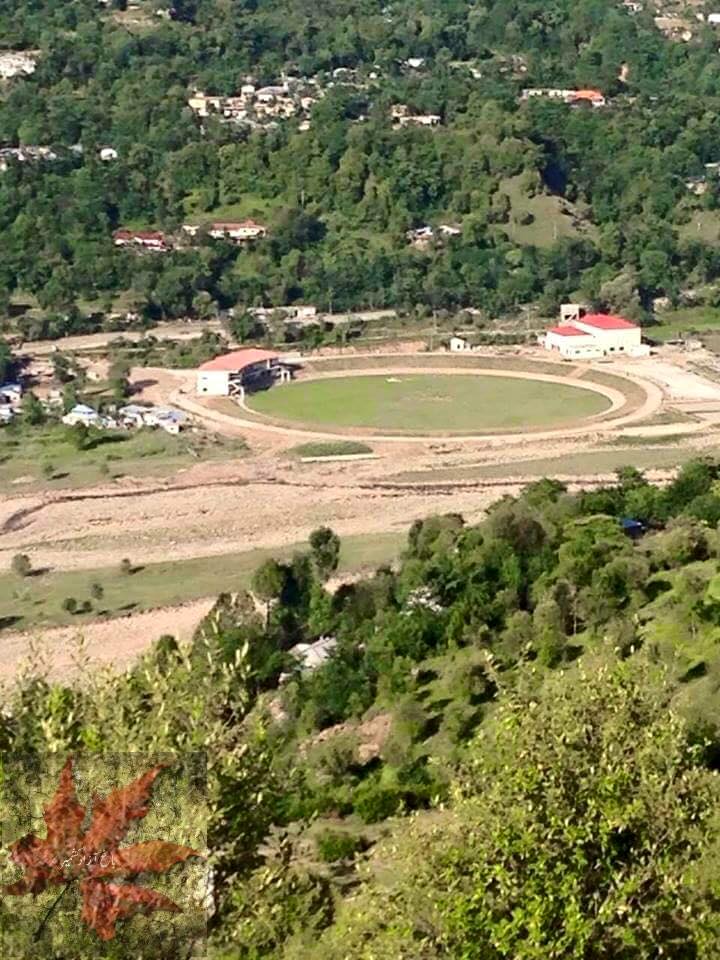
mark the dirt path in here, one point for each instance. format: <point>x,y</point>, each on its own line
<point>255,425</point>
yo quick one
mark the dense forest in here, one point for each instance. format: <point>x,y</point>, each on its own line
<point>550,200</point>
<point>509,748</point>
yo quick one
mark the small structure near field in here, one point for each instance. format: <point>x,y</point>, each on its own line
<point>233,373</point>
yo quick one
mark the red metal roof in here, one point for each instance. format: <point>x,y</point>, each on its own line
<point>587,95</point>
<point>568,332</point>
<point>238,360</point>
<point>605,321</point>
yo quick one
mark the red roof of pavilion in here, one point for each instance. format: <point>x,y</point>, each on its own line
<point>238,360</point>
<point>568,332</point>
<point>605,321</point>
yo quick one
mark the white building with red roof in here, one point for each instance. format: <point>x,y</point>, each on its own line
<point>233,373</point>
<point>240,232</point>
<point>595,335</point>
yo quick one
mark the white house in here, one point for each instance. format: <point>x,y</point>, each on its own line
<point>16,62</point>
<point>81,413</point>
<point>10,394</point>
<point>459,345</point>
<point>108,153</point>
<point>241,232</point>
<point>596,335</point>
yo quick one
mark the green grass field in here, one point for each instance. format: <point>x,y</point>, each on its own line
<point>684,321</point>
<point>429,402</point>
<point>37,600</point>
<point>331,448</point>
<point>571,465</point>
<point>31,458</point>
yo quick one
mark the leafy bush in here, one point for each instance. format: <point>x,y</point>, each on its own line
<point>336,845</point>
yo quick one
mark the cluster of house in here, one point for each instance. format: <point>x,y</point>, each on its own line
<point>573,98</point>
<point>402,117</point>
<point>132,416</point>
<point>300,314</point>
<point>244,231</point>
<point>699,185</point>
<point>261,106</point>
<point>24,155</point>
<point>15,63</point>
<point>155,241</point>
<point>30,154</point>
<point>590,336</point>
<point>422,237</point>
<point>10,400</point>
<point>677,27</point>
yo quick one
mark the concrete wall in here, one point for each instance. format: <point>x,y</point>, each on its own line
<point>213,383</point>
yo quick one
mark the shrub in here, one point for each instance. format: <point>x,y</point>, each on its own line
<point>21,565</point>
<point>126,567</point>
<point>333,845</point>
<point>70,604</point>
<point>374,802</point>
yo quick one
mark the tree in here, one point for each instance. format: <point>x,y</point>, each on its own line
<point>79,436</point>
<point>7,364</point>
<point>33,410</point>
<point>325,551</point>
<point>96,591</point>
<point>70,604</point>
<point>268,583</point>
<point>126,567</point>
<point>586,829</point>
<point>21,565</point>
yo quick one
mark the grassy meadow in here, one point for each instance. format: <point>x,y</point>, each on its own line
<point>37,600</point>
<point>429,402</point>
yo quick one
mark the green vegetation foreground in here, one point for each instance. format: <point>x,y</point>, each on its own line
<point>504,748</point>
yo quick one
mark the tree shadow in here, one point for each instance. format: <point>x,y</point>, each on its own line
<point>103,441</point>
<point>7,622</point>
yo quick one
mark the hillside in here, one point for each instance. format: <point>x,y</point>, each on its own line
<point>528,706</point>
<point>338,129</point>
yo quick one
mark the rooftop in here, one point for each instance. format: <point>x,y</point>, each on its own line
<point>238,360</point>
<point>606,321</point>
<point>568,332</point>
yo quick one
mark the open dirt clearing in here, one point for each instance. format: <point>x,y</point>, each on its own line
<point>106,643</point>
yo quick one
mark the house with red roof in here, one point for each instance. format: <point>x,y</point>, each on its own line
<point>232,374</point>
<point>589,336</point>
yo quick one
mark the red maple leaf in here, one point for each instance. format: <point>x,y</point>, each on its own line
<point>69,853</point>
